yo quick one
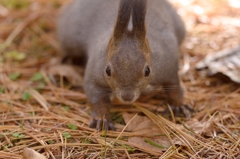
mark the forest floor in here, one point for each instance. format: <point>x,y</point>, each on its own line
<point>43,107</point>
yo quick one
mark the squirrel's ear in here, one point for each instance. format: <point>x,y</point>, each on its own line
<point>124,14</point>
<point>138,18</point>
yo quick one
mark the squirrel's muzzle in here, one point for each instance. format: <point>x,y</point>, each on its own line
<point>127,95</point>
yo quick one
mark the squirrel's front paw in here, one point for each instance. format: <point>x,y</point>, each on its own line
<point>102,124</point>
<point>184,110</point>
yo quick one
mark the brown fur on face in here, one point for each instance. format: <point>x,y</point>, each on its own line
<point>125,58</point>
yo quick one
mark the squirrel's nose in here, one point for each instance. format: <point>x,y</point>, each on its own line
<point>127,97</point>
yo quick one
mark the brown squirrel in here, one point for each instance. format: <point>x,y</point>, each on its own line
<point>128,45</point>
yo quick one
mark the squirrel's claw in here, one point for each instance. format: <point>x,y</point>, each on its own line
<point>184,110</point>
<point>102,124</point>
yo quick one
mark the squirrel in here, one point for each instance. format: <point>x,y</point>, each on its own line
<point>128,45</point>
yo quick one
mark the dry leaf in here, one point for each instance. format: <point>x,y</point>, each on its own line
<point>157,144</point>
<point>104,143</point>
<point>155,138</point>
<point>226,62</point>
<point>32,154</point>
<point>141,125</point>
<point>196,126</point>
<point>4,108</point>
<point>73,74</point>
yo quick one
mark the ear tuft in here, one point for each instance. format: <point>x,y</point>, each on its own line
<point>138,17</point>
<point>124,14</point>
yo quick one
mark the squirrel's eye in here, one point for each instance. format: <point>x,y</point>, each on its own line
<point>147,71</point>
<point>108,71</point>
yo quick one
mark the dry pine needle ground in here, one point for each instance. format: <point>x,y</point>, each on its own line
<point>42,110</point>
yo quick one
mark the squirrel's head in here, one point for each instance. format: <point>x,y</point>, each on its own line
<point>128,68</point>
